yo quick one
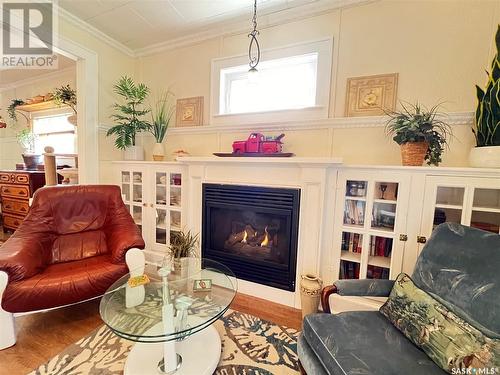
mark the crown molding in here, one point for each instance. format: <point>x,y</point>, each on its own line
<point>78,22</point>
<point>36,79</point>
<point>230,27</point>
<point>454,119</point>
<point>239,25</point>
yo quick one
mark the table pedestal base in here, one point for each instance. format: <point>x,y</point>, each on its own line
<point>200,354</point>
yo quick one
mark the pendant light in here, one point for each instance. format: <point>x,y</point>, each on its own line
<point>253,48</point>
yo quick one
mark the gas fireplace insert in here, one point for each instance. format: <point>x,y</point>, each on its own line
<point>253,231</point>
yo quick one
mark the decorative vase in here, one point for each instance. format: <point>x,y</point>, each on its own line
<point>310,293</point>
<point>413,153</point>
<point>134,153</point>
<point>158,152</point>
<point>31,161</point>
<point>485,157</point>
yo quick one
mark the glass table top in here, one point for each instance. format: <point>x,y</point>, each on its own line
<point>175,303</point>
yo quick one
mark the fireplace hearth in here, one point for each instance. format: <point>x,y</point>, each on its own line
<point>253,231</point>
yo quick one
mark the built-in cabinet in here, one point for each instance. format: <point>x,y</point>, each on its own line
<point>384,216</point>
<point>155,195</point>
<point>376,211</point>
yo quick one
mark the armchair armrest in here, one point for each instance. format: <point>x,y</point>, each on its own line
<point>25,254</point>
<point>359,288</point>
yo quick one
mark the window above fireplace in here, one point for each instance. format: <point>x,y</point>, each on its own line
<point>292,83</point>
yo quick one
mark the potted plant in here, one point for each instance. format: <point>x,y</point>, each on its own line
<point>182,245</point>
<point>26,139</point>
<point>11,109</point>
<point>419,132</point>
<point>486,127</point>
<point>65,95</point>
<point>160,120</point>
<point>129,117</point>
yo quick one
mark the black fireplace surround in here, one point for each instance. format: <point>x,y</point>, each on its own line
<point>253,231</point>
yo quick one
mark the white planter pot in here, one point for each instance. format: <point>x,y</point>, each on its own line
<point>134,153</point>
<point>485,157</point>
<point>158,152</point>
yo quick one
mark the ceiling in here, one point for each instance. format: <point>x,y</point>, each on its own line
<point>138,24</point>
<point>11,77</point>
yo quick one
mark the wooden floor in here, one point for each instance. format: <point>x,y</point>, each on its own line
<point>43,335</point>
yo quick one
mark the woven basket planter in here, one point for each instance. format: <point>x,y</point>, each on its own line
<point>413,153</point>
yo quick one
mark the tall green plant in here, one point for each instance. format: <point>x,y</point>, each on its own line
<point>161,115</point>
<point>129,114</point>
<point>487,120</point>
<point>415,123</point>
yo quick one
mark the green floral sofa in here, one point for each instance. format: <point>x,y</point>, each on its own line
<point>459,267</point>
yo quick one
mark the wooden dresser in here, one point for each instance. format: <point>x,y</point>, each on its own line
<point>16,189</point>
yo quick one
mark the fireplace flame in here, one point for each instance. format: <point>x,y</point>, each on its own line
<point>265,242</point>
<point>245,236</point>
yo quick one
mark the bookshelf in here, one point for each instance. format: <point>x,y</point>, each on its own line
<point>367,241</point>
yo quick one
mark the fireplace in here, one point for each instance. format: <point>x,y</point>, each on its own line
<point>253,231</point>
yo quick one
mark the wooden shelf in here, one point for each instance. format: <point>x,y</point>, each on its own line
<point>350,256</point>
<point>42,106</point>
<point>384,262</point>
<point>449,206</point>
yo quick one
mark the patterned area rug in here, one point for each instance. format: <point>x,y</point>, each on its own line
<point>250,346</point>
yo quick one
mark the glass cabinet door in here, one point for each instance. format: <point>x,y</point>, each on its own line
<point>132,187</point>
<point>485,213</point>
<point>449,205</point>
<point>160,205</point>
<point>175,205</point>
<point>369,228</point>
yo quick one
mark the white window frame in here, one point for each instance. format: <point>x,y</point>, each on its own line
<point>55,113</point>
<point>324,49</point>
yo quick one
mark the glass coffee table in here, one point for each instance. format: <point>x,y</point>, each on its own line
<point>170,317</point>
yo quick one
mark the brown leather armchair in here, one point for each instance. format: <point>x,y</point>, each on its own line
<point>70,247</point>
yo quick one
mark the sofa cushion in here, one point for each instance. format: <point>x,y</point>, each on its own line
<point>308,360</point>
<point>62,284</point>
<point>76,246</point>
<point>459,267</point>
<point>450,341</point>
<point>364,342</point>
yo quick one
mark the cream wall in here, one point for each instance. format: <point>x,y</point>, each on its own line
<point>439,48</point>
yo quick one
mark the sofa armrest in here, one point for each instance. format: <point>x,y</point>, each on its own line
<point>358,288</point>
<point>25,254</point>
<point>121,238</point>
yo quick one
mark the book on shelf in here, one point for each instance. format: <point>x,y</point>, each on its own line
<point>351,242</point>
<point>374,272</point>
<point>349,270</point>
<point>354,212</point>
<point>380,246</point>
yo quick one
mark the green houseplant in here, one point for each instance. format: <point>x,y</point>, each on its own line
<point>486,127</point>
<point>11,109</point>
<point>419,132</point>
<point>129,116</point>
<point>182,245</point>
<point>26,139</point>
<point>161,115</point>
<point>65,95</point>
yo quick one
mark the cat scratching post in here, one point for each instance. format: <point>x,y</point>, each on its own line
<point>49,160</point>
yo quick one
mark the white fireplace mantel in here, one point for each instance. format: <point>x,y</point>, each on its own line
<point>299,161</point>
<point>316,179</point>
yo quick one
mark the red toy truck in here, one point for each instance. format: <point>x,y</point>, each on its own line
<point>258,143</point>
